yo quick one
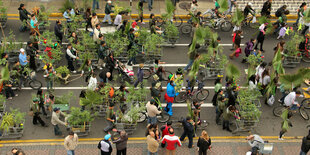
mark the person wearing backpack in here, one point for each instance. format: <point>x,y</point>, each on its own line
<point>266,9</point>
<point>220,106</point>
<point>300,12</point>
<point>280,11</point>
<point>305,145</point>
<point>105,145</point>
<point>249,47</point>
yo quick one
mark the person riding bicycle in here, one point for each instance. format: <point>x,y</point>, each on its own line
<point>248,10</point>
<point>290,100</point>
<point>254,141</point>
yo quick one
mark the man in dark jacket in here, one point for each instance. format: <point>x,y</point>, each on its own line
<point>232,96</point>
<point>108,11</point>
<point>23,16</point>
<point>121,142</point>
<point>58,31</point>
<point>305,145</point>
<point>139,75</point>
<point>266,8</point>
<point>105,145</point>
<point>32,53</point>
<point>188,127</point>
<point>102,54</point>
<point>104,76</point>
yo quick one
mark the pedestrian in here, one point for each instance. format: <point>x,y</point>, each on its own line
<point>259,72</point>
<point>261,36</point>
<point>131,37</point>
<point>220,105</point>
<point>71,142</point>
<point>22,58</point>
<point>49,75</point>
<point>140,76</point>
<point>140,11</point>
<point>105,145</point>
<point>110,117</point>
<point>92,84</point>
<point>266,9</point>
<point>300,13</point>
<point>96,4</point>
<point>266,81</point>
<point>152,112</point>
<point>56,120</point>
<point>68,14</point>
<point>171,141</point>
<point>34,25</point>
<point>23,17</point>
<point>169,96</point>
<point>194,7</point>
<point>108,11</point>
<point>110,64</point>
<point>232,94</point>
<point>282,31</point>
<point>17,151</point>
<point>237,42</point>
<point>150,4</point>
<point>102,54</point>
<point>104,76</point>
<point>33,38</point>
<point>35,112</point>
<point>32,54</point>
<point>286,123</point>
<point>152,144</point>
<point>41,96</point>
<point>118,19</point>
<point>305,145</point>
<point>252,82</point>
<point>121,142</point>
<point>204,143</point>
<point>88,18</point>
<point>229,113</point>
<point>97,32</point>
<point>188,127</point>
<point>9,94</point>
<point>290,100</point>
<point>71,55</point>
<point>231,3</point>
<point>49,102</point>
<point>249,48</point>
<point>165,128</point>
<point>58,31</point>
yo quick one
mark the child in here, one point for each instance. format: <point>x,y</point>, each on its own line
<point>282,31</point>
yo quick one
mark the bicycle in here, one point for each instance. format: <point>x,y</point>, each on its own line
<point>306,102</point>
<point>216,23</point>
<point>29,78</point>
<point>201,94</point>
<point>248,22</point>
<point>277,111</point>
<point>149,70</point>
<point>177,21</point>
<point>163,117</point>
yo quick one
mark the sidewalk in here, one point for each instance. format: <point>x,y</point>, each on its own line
<point>219,147</point>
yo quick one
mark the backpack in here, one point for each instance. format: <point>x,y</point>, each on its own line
<point>278,12</point>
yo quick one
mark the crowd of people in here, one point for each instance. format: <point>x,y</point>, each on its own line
<point>224,100</point>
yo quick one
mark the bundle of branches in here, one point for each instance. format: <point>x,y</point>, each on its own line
<point>237,17</point>
<point>291,81</point>
<point>223,5</point>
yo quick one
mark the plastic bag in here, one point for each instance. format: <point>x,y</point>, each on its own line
<point>271,100</point>
<point>254,20</point>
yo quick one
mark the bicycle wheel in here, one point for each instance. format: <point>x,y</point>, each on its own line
<point>202,94</point>
<point>159,22</point>
<point>181,98</point>
<point>207,16</point>
<point>186,29</point>
<point>306,103</point>
<point>35,84</point>
<point>142,117</point>
<point>303,113</point>
<point>226,26</point>
<point>277,111</point>
<point>177,21</point>
<point>166,74</point>
<point>146,73</point>
<point>163,117</point>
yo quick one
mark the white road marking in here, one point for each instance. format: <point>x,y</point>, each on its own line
<point>182,105</point>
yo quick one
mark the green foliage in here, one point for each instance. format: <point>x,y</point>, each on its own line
<point>62,69</point>
<point>119,7</point>
<point>116,42</point>
<point>152,45</point>
<point>66,5</point>
<point>5,73</point>
<point>292,45</point>
<point>277,63</point>
<point>137,95</point>
<point>78,117</point>
<point>248,110</point>
<point>237,17</point>
<point>77,22</point>
<point>291,81</point>
<point>44,15</point>
<point>9,119</point>
<point>232,71</point>
<point>3,10</point>
<point>169,7</point>
<point>178,83</point>
<point>64,99</point>
<point>56,52</point>
<point>189,108</point>
<point>223,5</point>
<point>87,4</point>
<point>92,98</point>
<point>133,114</point>
<point>19,117</point>
<point>2,100</point>
<point>306,17</point>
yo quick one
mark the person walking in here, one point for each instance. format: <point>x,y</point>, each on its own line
<point>71,142</point>
<point>105,145</point>
<point>108,11</point>
<point>305,145</point>
<point>121,142</point>
<point>32,54</point>
<point>188,126</point>
<point>56,120</point>
<point>170,94</point>
<point>102,54</point>
<point>110,117</point>
<point>204,143</point>
<point>229,113</point>
<point>150,4</point>
<point>192,56</point>
<point>139,76</point>
<point>97,32</point>
<point>300,12</point>
<point>41,97</point>
<point>58,31</point>
<point>9,94</point>
<point>35,112</point>
<point>152,111</point>
<point>23,58</point>
<point>231,3</point>
<point>152,144</point>
<point>71,54</point>
<point>220,105</point>
<point>266,9</point>
<point>254,141</point>
<point>92,83</point>
<point>49,75</point>
<point>261,36</point>
<point>286,123</point>
<point>110,64</point>
<point>95,4</point>
<point>23,17</point>
<point>165,128</point>
<point>171,141</point>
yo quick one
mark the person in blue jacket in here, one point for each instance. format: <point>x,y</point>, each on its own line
<point>170,94</point>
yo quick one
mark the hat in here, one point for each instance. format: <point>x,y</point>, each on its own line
<point>155,77</point>
<point>35,100</point>
<point>22,50</point>
<point>107,137</point>
<point>250,4</point>
<point>109,2</point>
<point>170,77</point>
<point>56,109</point>
<point>179,71</point>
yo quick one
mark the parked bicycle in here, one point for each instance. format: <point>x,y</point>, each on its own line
<point>149,70</point>
<point>163,117</point>
<point>278,110</point>
<point>177,21</point>
<point>29,78</point>
<point>201,94</point>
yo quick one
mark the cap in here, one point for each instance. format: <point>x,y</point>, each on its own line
<point>56,109</point>
<point>250,4</point>
<point>170,77</point>
<point>109,2</point>
<point>35,100</point>
<point>179,71</point>
<point>107,137</point>
<point>22,50</point>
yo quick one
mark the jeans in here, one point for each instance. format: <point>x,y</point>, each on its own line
<point>49,85</point>
<point>95,3</point>
<point>202,152</point>
<point>190,63</point>
<point>132,60</point>
<point>109,127</point>
<point>261,44</point>
<point>152,120</point>
<point>169,108</point>
<point>121,152</point>
<point>150,153</point>
<point>57,130</point>
<point>254,150</point>
<point>302,153</point>
<point>107,17</point>
<point>226,125</point>
<point>137,82</point>
<point>70,65</point>
<point>190,138</point>
<point>230,4</point>
<point>70,152</point>
<point>150,4</point>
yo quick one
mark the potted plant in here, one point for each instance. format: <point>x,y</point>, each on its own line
<point>171,33</point>
<point>118,45</point>
<point>3,14</point>
<point>150,43</point>
<point>12,124</point>
<point>63,71</point>
<point>80,121</point>
<point>43,17</point>
<point>2,104</point>
<point>63,101</point>
<point>291,53</point>
<point>94,101</point>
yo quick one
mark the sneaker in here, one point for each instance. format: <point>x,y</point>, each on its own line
<point>280,138</point>
<point>242,37</point>
<point>279,101</point>
<point>74,72</point>
<point>101,68</point>
<point>16,95</point>
<point>10,98</point>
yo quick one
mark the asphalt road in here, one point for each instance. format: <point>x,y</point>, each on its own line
<point>268,126</point>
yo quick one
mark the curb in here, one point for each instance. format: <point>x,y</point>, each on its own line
<point>144,16</point>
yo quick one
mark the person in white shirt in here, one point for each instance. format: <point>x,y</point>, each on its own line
<point>71,54</point>
<point>254,141</point>
<point>259,72</point>
<point>97,32</point>
<point>194,7</point>
<point>252,83</point>
<point>71,142</point>
<point>92,84</point>
<point>94,20</point>
<point>290,100</point>
<point>118,18</point>
<point>152,111</point>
